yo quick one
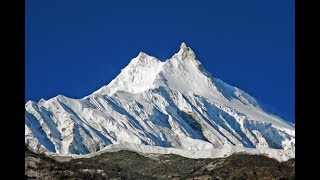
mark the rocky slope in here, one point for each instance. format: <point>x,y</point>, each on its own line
<point>131,165</point>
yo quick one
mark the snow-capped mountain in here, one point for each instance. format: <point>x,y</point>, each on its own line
<point>175,104</point>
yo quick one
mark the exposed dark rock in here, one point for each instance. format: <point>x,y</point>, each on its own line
<point>131,165</point>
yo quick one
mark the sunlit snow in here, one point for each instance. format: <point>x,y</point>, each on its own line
<point>173,106</point>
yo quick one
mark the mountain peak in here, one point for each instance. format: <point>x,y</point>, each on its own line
<point>183,46</point>
<point>171,104</point>
<point>185,52</point>
<point>144,59</point>
<point>142,55</point>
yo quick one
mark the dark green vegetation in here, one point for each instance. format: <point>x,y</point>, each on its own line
<point>130,165</point>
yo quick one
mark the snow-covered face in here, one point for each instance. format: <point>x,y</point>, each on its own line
<point>152,105</point>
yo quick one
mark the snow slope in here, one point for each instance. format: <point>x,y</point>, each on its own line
<point>174,104</point>
<point>146,150</point>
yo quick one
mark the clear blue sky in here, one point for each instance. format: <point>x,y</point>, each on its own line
<point>74,47</point>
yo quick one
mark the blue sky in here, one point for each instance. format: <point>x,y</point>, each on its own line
<point>74,47</point>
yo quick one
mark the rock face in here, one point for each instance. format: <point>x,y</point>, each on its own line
<point>131,165</point>
<point>171,104</point>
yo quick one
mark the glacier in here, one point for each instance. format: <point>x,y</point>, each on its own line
<point>172,106</point>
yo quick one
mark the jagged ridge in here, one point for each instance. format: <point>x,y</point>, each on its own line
<point>175,103</point>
